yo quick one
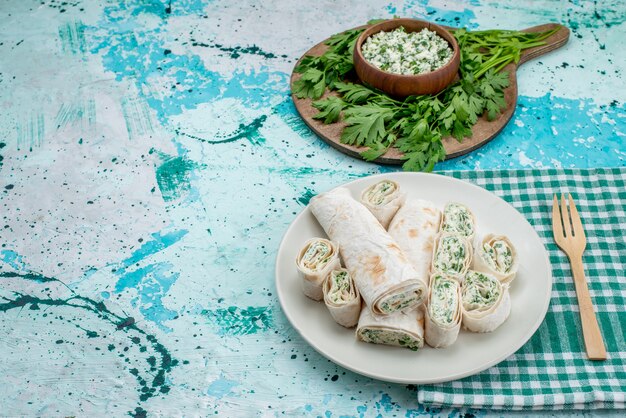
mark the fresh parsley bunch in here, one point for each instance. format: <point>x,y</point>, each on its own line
<point>416,124</point>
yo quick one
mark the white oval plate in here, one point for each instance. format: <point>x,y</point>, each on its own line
<point>472,353</point>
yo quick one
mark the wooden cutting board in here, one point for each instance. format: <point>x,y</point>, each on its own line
<point>482,132</point>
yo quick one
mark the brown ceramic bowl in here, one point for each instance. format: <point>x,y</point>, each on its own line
<point>407,85</point>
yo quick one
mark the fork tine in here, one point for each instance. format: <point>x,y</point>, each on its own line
<point>576,222</point>
<point>557,228</point>
<point>567,224</point>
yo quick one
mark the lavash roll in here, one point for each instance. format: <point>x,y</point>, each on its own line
<point>317,258</point>
<point>459,219</point>
<point>414,228</point>
<point>342,298</point>
<point>383,199</point>
<point>486,303</point>
<point>452,255</point>
<point>443,313</point>
<point>496,255</point>
<point>385,278</point>
<point>401,329</point>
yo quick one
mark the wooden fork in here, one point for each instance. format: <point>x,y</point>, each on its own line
<point>570,237</point>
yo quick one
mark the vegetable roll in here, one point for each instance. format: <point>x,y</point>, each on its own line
<point>385,278</point>
<point>486,303</point>
<point>496,255</point>
<point>458,219</point>
<point>342,298</point>
<point>402,329</point>
<point>443,314</point>
<point>383,199</point>
<point>315,261</point>
<point>452,255</point>
<point>414,228</point>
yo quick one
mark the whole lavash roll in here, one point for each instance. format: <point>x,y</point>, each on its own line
<point>486,303</point>
<point>317,258</point>
<point>496,255</point>
<point>385,278</point>
<point>414,228</point>
<point>401,329</point>
<point>443,313</point>
<point>383,199</point>
<point>342,297</point>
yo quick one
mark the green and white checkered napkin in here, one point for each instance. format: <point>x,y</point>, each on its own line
<point>551,371</point>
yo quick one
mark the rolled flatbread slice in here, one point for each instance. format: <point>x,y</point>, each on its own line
<point>496,255</point>
<point>458,219</point>
<point>401,329</point>
<point>385,278</point>
<point>414,228</point>
<point>452,255</point>
<point>383,199</point>
<point>342,298</point>
<point>317,258</point>
<point>443,314</point>
<point>486,303</point>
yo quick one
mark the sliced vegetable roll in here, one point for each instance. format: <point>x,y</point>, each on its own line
<point>402,329</point>
<point>383,199</point>
<point>486,303</point>
<point>443,314</point>
<point>342,298</point>
<point>385,278</point>
<point>458,219</point>
<point>414,228</point>
<point>496,255</point>
<point>452,255</point>
<point>315,261</point>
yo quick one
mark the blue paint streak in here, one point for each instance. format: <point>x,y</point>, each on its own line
<point>158,243</point>
<point>361,409</point>
<point>221,387</point>
<point>385,403</point>
<point>12,258</point>
<point>138,55</point>
<point>422,10</point>
<point>151,281</point>
<point>535,144</point>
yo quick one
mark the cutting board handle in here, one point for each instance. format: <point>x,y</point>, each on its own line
<point>556,40</point>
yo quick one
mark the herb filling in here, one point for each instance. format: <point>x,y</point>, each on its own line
<point>340,287</point>
<point>498,256</point>
<point>444,300</point>
<point>457,219</point>
<point>398,302</point>
<point>407,53</point>
<point>316,256</point>
<point>480,291</point>
<point>450,256</point>
<point>390,337</point>
<point>379,193</point>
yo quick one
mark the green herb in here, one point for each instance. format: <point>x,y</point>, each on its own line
<point>417,124</point>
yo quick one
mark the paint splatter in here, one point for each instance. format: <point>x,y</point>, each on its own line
<point>249,131</point>
<point>241,321</point>
<point>151,383</point>
<point>306,196</point>
<point>72,36</point>
<point>237,51</point>
<point>81,113</point>
<point>221,387</point>
<point>172,176</point>
<point>150,280</point>
<point>30,133</point>
<point>137,117</point>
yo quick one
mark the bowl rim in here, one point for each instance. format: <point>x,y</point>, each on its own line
<point>456,51</point>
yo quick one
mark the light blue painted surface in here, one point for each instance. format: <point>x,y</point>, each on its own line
<point>150,161</point>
